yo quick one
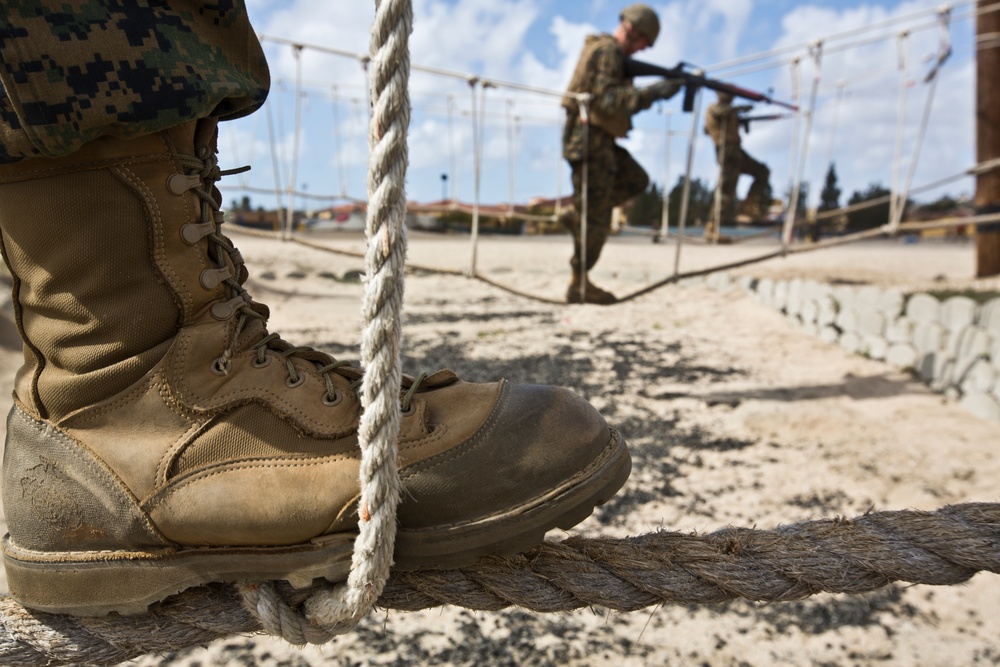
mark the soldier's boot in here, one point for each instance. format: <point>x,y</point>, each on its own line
<point>161,438</point>
<point>569,220</point>
<point>592,293</point>
<point>711,231</point>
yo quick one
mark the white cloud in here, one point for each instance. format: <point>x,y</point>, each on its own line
<point>470,35</point>
<point>868,115</point>
<point>500,40</point>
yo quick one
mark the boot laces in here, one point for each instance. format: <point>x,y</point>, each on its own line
<point>205,166</point>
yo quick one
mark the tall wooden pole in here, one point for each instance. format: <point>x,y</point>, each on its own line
<point>988,135</point>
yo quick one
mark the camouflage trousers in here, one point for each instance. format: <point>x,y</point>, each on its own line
<point>734,163</point>
<point>613,177</point>
<point>74,70</point>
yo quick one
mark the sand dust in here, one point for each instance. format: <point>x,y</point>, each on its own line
<point>733,416</point>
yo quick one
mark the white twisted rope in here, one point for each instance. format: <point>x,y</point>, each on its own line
<point>338,609</point>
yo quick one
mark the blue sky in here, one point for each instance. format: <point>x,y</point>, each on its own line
<point>536,43</point>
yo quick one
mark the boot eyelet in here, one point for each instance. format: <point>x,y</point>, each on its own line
<point>295,383</point>
<point>223,310</point>
<point>221,366</point>
<point>212,278</point>
<point>406,412</point>
<point>178,184</point>
<point>332,401</point>
<point>191,233</point>
<point>261,364</point>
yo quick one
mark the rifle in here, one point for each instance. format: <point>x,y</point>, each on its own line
<point>692,82</point>
<point>746,120</point>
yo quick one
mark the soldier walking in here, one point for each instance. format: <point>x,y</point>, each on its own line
<point>722,123</point>
<point>589,144</point>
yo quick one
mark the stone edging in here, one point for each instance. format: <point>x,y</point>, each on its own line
<point>952,345</point>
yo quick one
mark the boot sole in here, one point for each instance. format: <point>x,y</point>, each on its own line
<point>98,583</point>
<point>128,582</point>
<point>519,528</point>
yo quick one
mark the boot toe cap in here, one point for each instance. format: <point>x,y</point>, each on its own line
<point>536,442</point>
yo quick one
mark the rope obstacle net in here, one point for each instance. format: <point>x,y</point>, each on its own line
<point>943,547</point>
<point>939,20</point>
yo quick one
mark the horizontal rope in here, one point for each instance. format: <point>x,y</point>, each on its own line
<point>943,548</point>
<point>864,235</point>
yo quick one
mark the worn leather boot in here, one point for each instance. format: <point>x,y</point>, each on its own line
<point>162,438</point>
<point>592,293</point>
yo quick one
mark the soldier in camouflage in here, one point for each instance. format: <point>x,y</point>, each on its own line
<point>160,437</point>
<point>589,143</point>
<point>722,123</point>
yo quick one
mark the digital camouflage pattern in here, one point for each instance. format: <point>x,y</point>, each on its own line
<point>74,70</point>
<point>614,176</point>
<point>614,100</point>
<point>722,124</point>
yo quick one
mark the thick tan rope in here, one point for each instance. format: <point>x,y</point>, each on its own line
<point>944,547</point>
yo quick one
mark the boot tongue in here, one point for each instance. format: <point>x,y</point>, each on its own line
<point>206,133</point>
<point>254,330</point>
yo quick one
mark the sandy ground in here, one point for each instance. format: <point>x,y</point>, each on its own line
<point>733,417</point>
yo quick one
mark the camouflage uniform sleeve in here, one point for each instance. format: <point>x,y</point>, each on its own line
<point>721,110</point>
<point>612,92</point>
<point>74,70</point>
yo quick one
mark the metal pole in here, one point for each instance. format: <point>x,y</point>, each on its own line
<point>894,203</point>
<point>560,175</point>
<point>793,208</point>
<point>451,150</point>
<point>686,196</point>
<point>584,203</point>
<point>793,158</point>
<point>294,169</point>
<point>511,161</point>
<point>477,157</point>
<point>944,51</point>
<point>665,199</point>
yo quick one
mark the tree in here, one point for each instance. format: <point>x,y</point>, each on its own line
<point>943,204</point>
<point>872,216</point>
<point>647,208</point>
<point>829,197</point>
<point>701,201</point>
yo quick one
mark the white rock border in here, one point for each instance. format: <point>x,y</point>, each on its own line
<point>952,345</point>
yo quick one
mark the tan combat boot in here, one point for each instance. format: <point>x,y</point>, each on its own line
<point>592,293</point>
<point>161,438</point>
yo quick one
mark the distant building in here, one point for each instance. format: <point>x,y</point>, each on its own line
<point>255,219</point>
<point>344,218</point>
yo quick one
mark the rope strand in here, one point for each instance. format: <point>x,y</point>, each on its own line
<point>944,547</point>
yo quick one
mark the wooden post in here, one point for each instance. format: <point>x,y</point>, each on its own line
<point>988,135</point>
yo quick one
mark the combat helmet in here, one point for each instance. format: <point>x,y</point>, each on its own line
<point>644,19</point>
